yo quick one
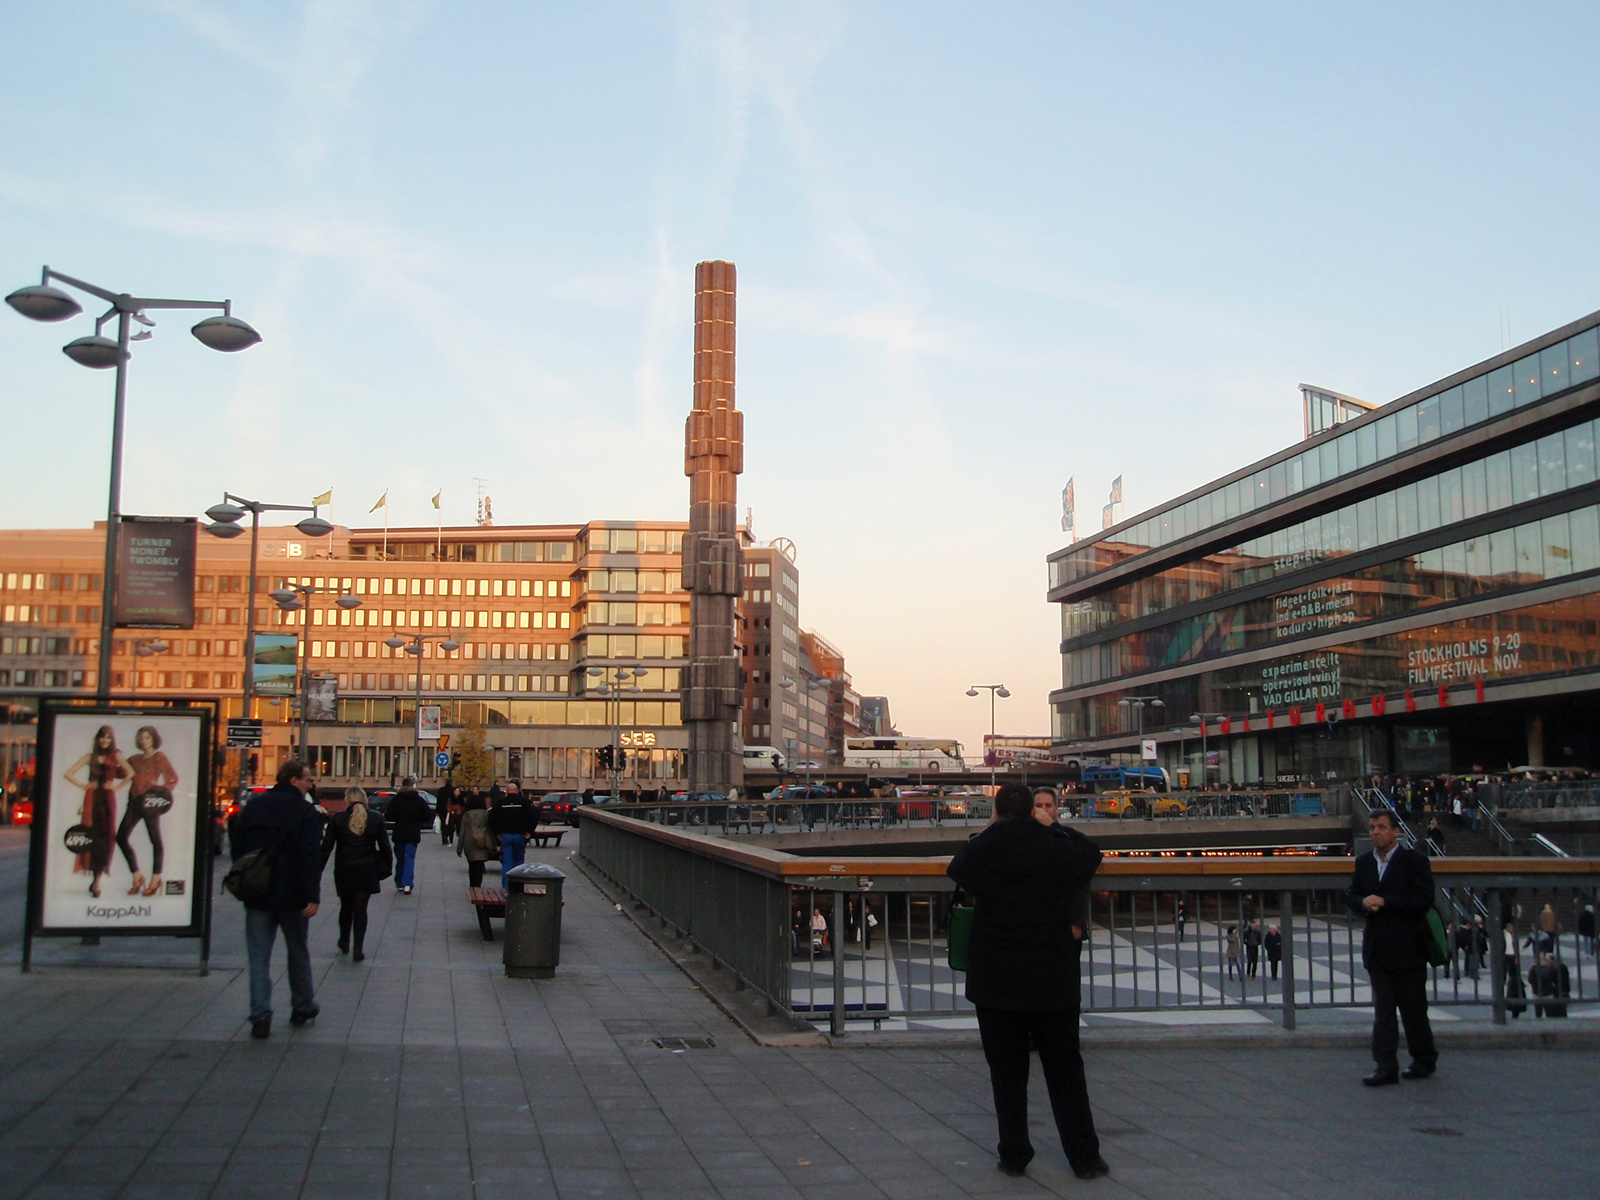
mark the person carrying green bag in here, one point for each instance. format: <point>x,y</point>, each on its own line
<point>1022,972</point>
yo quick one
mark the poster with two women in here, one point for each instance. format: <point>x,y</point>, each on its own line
<point>121,841</point>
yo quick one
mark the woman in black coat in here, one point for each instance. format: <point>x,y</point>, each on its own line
<point>358,843</point>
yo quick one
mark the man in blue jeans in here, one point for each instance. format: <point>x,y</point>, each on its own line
<point>513,818</point>
<point>408,815</point>
<point>284,818</point>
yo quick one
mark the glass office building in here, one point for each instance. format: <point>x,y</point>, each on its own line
<point>1414,590</point>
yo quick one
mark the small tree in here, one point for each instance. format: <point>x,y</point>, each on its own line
<point>477,762</point>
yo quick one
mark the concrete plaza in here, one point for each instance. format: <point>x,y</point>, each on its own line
<point>431,1074</point>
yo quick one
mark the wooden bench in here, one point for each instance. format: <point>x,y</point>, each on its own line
<point>545,833</point>
<point>490,902</point>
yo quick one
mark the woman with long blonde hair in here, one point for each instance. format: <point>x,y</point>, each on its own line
<point>358,843</point>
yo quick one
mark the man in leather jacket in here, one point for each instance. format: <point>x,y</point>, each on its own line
<point>409,815</point>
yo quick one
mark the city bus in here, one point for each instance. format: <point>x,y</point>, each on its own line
<point>903,754</point>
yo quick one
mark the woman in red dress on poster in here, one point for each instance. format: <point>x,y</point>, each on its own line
<point>149,796</point>
<point>105,772</point>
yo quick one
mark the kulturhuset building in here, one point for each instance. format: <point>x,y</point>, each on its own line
<point>1411,589</point>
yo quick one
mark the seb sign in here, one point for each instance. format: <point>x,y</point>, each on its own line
<point>283,550</point>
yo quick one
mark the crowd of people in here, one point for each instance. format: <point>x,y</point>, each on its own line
<point>366,848</point>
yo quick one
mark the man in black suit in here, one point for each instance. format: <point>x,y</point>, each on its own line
<point>1393,887</point>
<point>1022,972</point>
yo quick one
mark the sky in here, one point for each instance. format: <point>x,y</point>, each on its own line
<point>981,249</point>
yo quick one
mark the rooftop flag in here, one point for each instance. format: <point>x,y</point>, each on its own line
<point>383,502</point>
<point>325,498</point>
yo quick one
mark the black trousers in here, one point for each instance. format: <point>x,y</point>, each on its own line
<point>474,872</point>
<point>1406,990</point>
<point>1005,1036</point>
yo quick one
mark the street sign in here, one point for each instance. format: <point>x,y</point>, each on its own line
<point>427,722</point>
<point>1149,749</point>
<point>444,741</point>
<point>441,759</point>
<point>244,733</point>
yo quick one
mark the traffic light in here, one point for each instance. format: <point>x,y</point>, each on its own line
<point>604,757</point>
<point>621,758</point>
<point>777,762</point>
<point>455,761</point>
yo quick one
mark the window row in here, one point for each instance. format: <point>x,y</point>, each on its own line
<point>621,612</point>
<point>1544,467</point>
<point>635,541</point>
<point>633,645</point>
<point>629,581</point>
<point>434,551</point>
<point>526,588</point>
<point>528,651</point>
<point>49,645</point>
<point>29,581</point>
<point>446,682</point>
<point>402,709</point>
<point>1553,370</point>
<point>28,677</point>
<point>1527,554</point>
<point>1556,637</point>
<point>427,618</point>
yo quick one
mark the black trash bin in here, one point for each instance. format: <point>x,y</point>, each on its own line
<point>532,946</point>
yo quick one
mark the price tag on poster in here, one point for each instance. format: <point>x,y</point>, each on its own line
<point>122,823</point>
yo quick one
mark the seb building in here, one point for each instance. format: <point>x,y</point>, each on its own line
<point>1413,590</point>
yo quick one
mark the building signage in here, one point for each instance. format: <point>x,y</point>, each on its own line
<point>155,573</point>
<point>120,837</point>
<point>272,664</point>
<point>638,737</point>
<point>428,723</point>
<point>244,733</point>
<point>1309,677</point>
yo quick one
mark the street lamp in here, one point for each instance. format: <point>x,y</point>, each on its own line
<point>225,519</point>
<point>1202,718</point>
<point>288,599</point>
<point>994,689</point>
<point>608,688</point>
<point>813,682</point>
<point>413,647</point>
<point>45,303</point>
<point>1137,704</point>
<point>144,648</point>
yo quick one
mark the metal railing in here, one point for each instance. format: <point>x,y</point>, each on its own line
<point>861,939</point>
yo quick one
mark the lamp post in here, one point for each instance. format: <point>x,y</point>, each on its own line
<point>225,519</point>
<point>289,599</point>
<point>412,644</point>
<point>1137,703</point>
<point>813,682</point>
<point>1202,718</point>
<point>994,689</point>
<point>608,688</point>
<point>45,303</point>
<point>144,648</point>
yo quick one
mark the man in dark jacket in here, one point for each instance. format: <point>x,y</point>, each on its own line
<point>409,815</point>
<point>1393,887</point>
<point>1023,972</point>
<point>282,817</point>
<point>513,818</point>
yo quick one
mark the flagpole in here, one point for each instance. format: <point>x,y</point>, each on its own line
<point>438,509</point>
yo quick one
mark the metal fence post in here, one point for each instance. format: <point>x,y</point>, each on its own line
<point>836,1022</point>
<point>1497,956</point>
<point>1286,931</point>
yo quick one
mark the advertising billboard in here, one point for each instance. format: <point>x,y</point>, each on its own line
<point>272,664</point>
<point>428,723</point>
<point>155,573</point>
<point>121,835</point>
<point>322,698</point>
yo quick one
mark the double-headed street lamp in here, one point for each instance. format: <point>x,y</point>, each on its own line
<point>1137,704</point>
<point>994,689</point>
<point>144,648</point>
<point>813,682</point>
<point>614,687</point>
<point>289,599</point>
<point>225,519</point>
<point>1202,718</point>
<point>45,303</point>
<point>412,644</point>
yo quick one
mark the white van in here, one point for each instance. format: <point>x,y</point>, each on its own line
<point>759,758</point>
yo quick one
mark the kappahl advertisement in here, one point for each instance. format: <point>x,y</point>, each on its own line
<point>123,814</point>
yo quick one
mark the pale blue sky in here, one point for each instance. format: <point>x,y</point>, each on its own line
<point>980,248</point>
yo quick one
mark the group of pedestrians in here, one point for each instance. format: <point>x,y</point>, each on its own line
<point>286,824</point>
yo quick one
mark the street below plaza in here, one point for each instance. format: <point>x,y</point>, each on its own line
<point>431,1074</point>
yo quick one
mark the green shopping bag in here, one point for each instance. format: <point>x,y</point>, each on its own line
<point>960,940</point>
<point>1438,943</point>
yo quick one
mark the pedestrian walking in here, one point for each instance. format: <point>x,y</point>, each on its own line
<point>358,843</point>
<point>1436,839</point>
<point>1393,886</point>
<point>1252,948</point>
<point>448,810</point>
<point>281,819</point>
<point>475,841</point>
<point>1274,944</point>
<point>1234,952</point>
<point>511,820</point>
<point>1181,917</point>
<point>1586,928</point>
<point>1550,980</point>
<point>410,815</point>
<point>1023,973</point>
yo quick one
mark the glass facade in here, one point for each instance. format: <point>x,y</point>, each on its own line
<point>1388,434</point>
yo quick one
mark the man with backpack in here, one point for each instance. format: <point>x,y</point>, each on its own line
<point>281,887</point>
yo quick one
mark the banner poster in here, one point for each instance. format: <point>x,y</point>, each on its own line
<point>121,838</point>
<point>272,664</point>
<point>322,698</point>
<point>155,573</point>
<point>428,723</point>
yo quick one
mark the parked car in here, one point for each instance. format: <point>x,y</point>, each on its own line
<point>562,806</point>
<point>1138,804</point>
